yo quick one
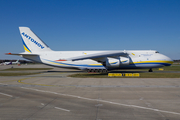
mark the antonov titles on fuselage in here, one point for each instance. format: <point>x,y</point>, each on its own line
<point>94,61</point>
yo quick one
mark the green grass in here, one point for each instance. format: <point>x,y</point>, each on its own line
<point>17,74</point>
<point>159,75</point>
<point>21,73</point>
<point>89,75</point>
<point>22,69</point>
<point>166,68</point>
<point>144,74</point>
<point>97,75</point>
<point>170,68</point>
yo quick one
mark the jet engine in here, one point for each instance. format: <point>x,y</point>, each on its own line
<point>116,62</point>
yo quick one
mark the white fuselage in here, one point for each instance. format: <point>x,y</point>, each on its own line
<point>137,59</point>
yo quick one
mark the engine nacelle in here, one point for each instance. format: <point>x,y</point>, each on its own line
<point>112,63</point>
<point>124,60</point>
<point>116,62</point>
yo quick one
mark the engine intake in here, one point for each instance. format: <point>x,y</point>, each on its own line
<point>116,62</point>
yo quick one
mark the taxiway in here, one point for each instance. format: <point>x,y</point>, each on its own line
<point>53,95</point>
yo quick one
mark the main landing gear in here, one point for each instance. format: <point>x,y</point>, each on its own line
<point>97,70</point>
<point>150,70</point>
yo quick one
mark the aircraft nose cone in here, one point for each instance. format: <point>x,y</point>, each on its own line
<point>169,61</point>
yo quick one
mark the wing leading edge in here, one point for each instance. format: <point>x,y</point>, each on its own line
<point>99,56</point>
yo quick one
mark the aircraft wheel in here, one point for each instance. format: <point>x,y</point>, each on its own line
<point>104,71</point>
<point>96,71</point>
<point>150,70</point>
<point>88,70</point>
<point>100,70</point>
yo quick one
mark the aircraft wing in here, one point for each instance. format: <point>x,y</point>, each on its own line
<point>99,56</point>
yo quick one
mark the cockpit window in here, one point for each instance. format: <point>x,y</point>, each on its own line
<point>156,52</point>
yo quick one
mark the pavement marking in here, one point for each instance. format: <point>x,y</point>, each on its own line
<point>8,81</point>
<point>62,109</point>
<point>134,106</point>
<point>20,81</point>
<point>6,94</point>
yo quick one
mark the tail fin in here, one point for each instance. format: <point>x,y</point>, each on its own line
<point>31,42</point>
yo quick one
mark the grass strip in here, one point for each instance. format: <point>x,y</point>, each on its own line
<point>89,75</point>
<point>22,69</point>
<point>159,75</point>
<point>17,74</point>
<point>166,68</point>
<point>142,75</point>
<point>170,68</point>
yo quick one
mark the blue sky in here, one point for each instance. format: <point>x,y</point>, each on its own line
<point>71,25</point>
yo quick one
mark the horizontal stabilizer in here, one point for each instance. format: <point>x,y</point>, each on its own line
<point>21,54</point>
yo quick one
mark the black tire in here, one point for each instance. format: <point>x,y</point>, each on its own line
<point>104,71</point>
<point>150,70</point>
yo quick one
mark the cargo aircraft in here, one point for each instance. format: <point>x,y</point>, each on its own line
<point>91,61</point>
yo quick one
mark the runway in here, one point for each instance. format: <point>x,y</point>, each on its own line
<point>53,96</point>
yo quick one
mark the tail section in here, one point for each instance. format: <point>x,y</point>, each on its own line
<point>31,42</point>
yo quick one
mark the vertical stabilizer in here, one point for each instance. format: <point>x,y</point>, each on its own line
<point>31,42</point>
